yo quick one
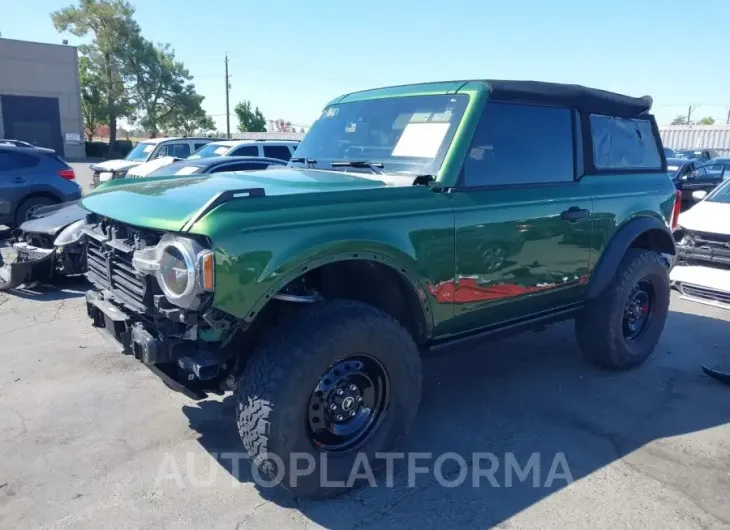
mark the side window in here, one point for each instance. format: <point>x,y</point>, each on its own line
<point>198,146</point>
<point>180,150</point>
<point>521,144</point>
<point>11,160</point>
<point>277,151</point>
<point>620,143</point>
<point>246,150</point>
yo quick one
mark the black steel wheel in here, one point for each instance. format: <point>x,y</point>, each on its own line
<point>621,327</point>
<point>336,380</point>
<point>348,404</point>
<point>639,309</point>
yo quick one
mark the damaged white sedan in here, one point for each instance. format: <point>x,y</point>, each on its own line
<point>702,271</point>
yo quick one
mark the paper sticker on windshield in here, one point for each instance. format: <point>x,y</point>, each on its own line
<point>672,168</point>
<point>187,170</point>
<point>421,140</point>
<point>149,148</point>
<point>221,150</point>
<point>330,112</point>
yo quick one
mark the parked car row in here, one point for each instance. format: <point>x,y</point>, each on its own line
<point>153,154</point>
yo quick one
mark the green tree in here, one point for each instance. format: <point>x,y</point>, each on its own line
<point>93,109</point>
<point>111,25</point>
<point>162,91</point>
<point>190,123</point>
<point>680,120</point>
<point>249,120</point>
<point>706,121</point>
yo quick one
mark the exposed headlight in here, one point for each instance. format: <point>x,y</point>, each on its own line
<point>183,268</point>
<point>71,234</point>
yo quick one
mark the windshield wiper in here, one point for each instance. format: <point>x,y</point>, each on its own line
<point>374,166</point>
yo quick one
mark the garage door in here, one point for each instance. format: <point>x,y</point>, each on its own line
<point>33,119</point>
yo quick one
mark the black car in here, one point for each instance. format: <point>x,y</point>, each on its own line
<point>693,175</point>
<point>680,171</point>
<point>199,166</point>
<point>703,155</point>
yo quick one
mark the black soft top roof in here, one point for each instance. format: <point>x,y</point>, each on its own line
<point>590,100</point>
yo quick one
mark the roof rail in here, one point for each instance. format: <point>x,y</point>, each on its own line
<point>220,198</point>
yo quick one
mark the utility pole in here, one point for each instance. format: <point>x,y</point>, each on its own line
<point>689,114</point>
<point>728,116</point>
<point>228,109</point>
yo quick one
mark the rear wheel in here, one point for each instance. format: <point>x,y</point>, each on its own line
<point>342,379</point>
<point>621,327</point>
<point>29,207</point>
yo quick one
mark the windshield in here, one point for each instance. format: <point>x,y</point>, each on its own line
<point>721,193</point>
<point>210,151</point>
<point>140,153</point>
<point>404,134</point>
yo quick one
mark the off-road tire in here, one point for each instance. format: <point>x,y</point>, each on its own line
<point>22,212</point>
<point>599,325</point>
<point>274,389</point>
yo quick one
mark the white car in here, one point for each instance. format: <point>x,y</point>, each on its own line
<point>281,149</point>
<point>145,151</point>
<point>702,270</point>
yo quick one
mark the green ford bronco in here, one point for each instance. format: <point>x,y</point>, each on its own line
<point>411,218</point>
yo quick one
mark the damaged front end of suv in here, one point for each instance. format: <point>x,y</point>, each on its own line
<point>48,247</point>
<point>153,294</point>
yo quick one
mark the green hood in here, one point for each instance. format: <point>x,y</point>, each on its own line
<point>166,203</point>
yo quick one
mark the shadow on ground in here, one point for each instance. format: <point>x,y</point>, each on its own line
<point>530,394</point>
<point>60,289</point>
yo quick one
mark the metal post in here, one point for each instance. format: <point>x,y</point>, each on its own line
<point>228,110</point>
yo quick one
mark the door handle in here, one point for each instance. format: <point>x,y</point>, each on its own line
<point>18,180</point>
<point>574,214</point>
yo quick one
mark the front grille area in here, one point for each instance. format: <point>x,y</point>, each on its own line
<point>709,240</point>
<point>109,263</point>
<point>703,248</point>
<point>705,293</point>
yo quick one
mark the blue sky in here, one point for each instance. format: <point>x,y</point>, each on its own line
<point>291,57</point>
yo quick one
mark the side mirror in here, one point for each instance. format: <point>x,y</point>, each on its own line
<point>699,195</point>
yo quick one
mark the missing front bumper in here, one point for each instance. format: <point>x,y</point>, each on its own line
<point>184,366</point>
<point>31,265</point>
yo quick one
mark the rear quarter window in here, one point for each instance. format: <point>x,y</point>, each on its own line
<point>12,160</point>
<point>622,144</point>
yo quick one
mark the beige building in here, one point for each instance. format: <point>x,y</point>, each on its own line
<point>40,96</point>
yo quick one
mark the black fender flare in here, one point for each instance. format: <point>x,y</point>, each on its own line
<point>620,243</point>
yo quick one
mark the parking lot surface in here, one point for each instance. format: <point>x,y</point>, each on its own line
<point>89,437</point>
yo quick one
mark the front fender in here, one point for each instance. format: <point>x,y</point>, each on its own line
<point>622,239</point>
<point>264,273</point>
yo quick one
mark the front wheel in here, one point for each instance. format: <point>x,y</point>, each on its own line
<point>330,389</point>
<point>621,327</point>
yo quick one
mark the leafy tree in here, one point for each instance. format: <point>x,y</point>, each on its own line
<point>680,120</point>
<point>162,91</point>
<point>706,121</point>
<point>249,120</point>
<point>191,123</point>
<point>93,108</point>
<point>112,27</point>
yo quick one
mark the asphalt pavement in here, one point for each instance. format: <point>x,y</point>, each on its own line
<point>90,438</point>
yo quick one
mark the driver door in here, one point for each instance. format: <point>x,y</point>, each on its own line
<point>523,220</point>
